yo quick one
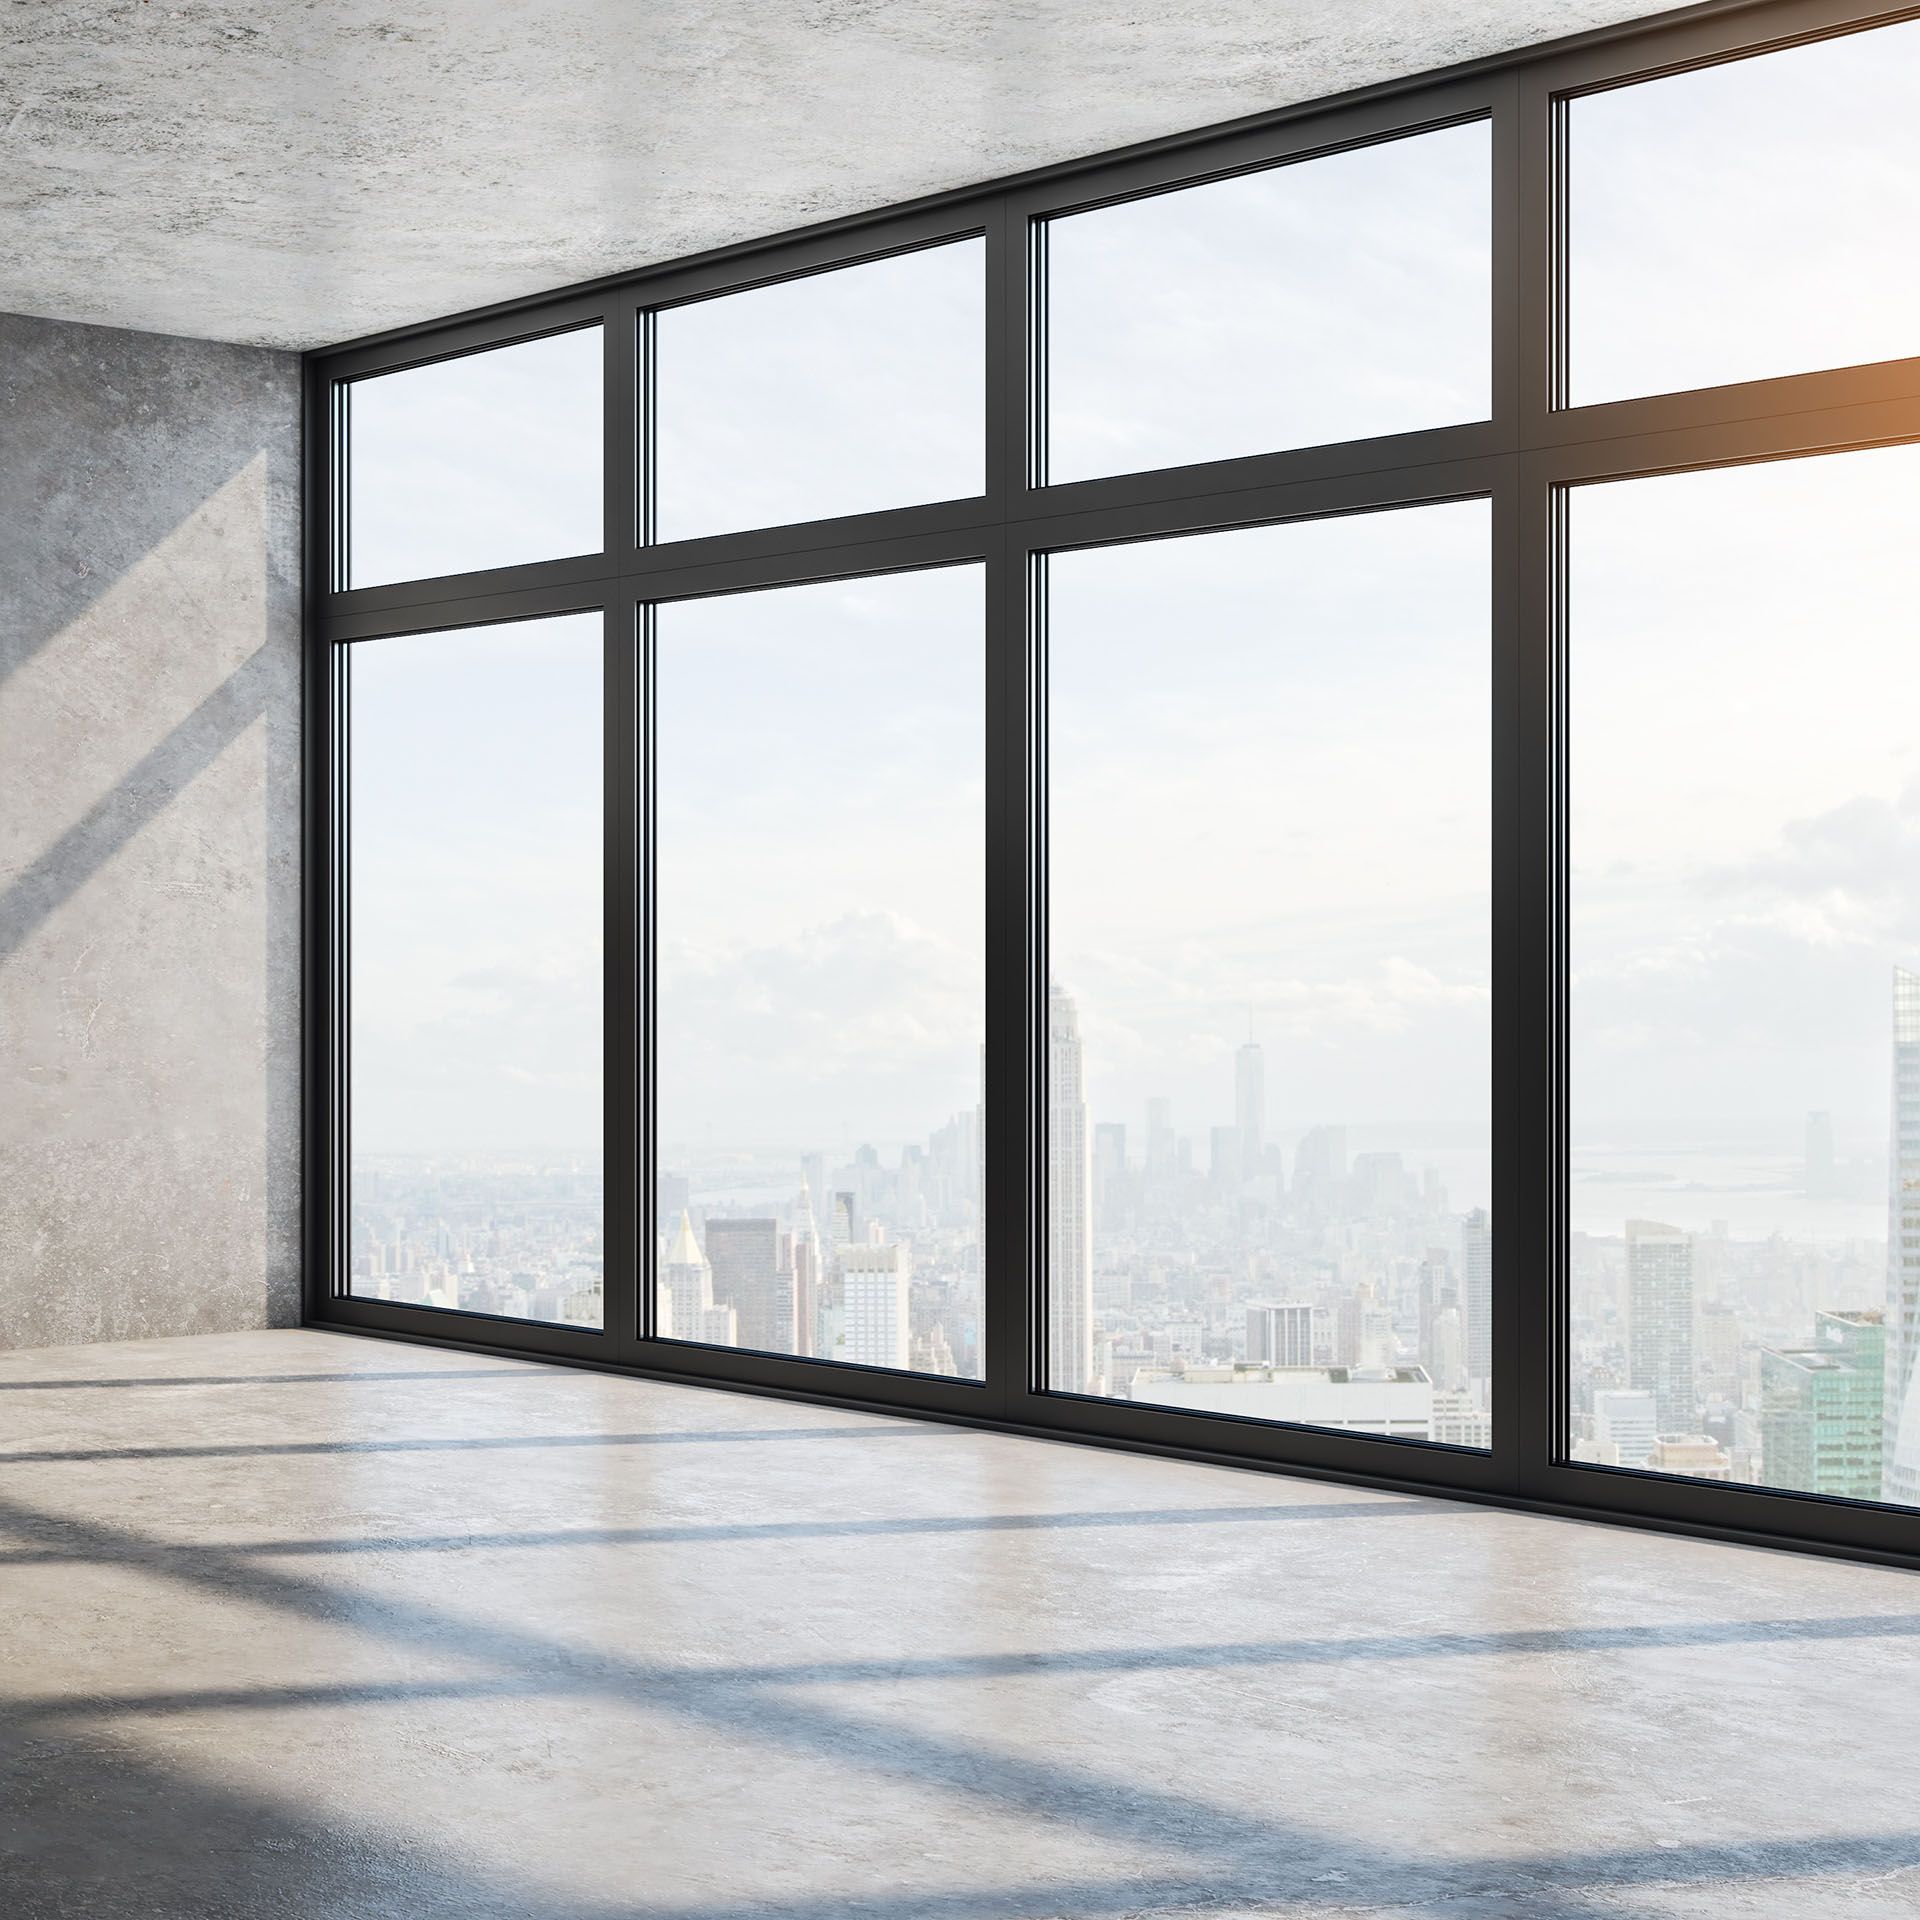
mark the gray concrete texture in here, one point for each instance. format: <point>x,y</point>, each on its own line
<point>149,835</point>
<point>326,1628</point>
<point>281,172</point>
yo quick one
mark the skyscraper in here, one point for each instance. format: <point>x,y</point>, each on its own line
<point>980,1172</point>
<point>1069,1221</point>
<point>1437,1292</point>
<point>748,1276</point>
<point>1280,1336</point>
<point>1476,1294</point>
<point>1900,1402</point>
<point>1820,1409</point>
<point>1250,1107</point>
<point>1225,1166</point>
<point>875,1289</point>
<point>813,1170</point>
<point>1660,1322</point>
<point>1320,1166</point>
<point>687,1280</point>
<point>804,1263</point>
<point>1626,1425</point>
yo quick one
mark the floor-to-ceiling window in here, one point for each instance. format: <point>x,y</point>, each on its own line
<point>1046,807</point>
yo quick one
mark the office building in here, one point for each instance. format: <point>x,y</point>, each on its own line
<point>1280,1336</point>
<point>1069,1211</point>
<point>876,1330</point>
<point>690,1310</point>
<point>1320,1167</point>
<point>751,1276</point>
<point>1162,1149</point>
<point>1226,1172</point>
<point>1394,1401</point>
<point>1900,1399</point>
<point>1476,1295</point>
<point>1626,1425</point>
<point>805,1267</point>
<point>1821,1411</point>
<point>1660,1322</point>
<point>1695,1455</point>
<point>1459,1420</point>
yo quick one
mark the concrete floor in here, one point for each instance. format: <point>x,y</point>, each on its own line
<point>299,1625</point>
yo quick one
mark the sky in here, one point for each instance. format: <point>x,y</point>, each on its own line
<point>820,886</point>
<point>1746,220</point>
<point>1346,296</point>
<point>489,460</point>
<point>837,393</point>
<point>1269,790</point>
<point>1269,749</point>
<point>1745,771</point>
<point>476,861</point>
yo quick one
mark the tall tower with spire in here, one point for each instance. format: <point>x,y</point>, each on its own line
<point>1069,1201</point>
<point>805,1259</point>
<point>1900,1391</point>
<point>687,1280</point>
<point>1250,1105</point>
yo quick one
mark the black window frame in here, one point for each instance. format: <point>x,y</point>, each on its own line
<point>1525,459</point>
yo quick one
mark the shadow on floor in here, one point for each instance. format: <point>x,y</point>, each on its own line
<point>504,1372</point>
<point>488,1443</point>
<point>93,1828</point>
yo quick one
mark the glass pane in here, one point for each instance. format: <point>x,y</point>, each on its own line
<point>474,912</point>
<point>1268,1158</point>
<point>1326,300</point>
<point>490,460</point>
<point>1745,931</point>
<point>819,903</point>
<point>1746,220</point>
<point>843,392</point>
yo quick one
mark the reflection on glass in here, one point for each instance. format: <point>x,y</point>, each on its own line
<point>1268,1158</point>
<point>1325,300</point>
<point>819,904</point>
<point>490,460</point>
<point>1745,946</point>
<point>1746,220</point>
<point>475,970</point>
<point>843,392</point>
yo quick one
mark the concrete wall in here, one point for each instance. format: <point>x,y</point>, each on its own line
<point>149,835</point>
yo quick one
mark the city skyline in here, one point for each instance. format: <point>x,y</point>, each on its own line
<point>1711,1382</point>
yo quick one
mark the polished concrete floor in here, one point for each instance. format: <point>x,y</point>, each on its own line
<point>316,1628</point>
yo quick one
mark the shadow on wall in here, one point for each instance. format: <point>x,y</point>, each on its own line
<point>149,836</point>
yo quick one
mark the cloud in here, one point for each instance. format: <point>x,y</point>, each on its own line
<point>864,1026</point>
<point>1760,985</point>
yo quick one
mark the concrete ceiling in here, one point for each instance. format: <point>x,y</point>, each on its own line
<point>298,172</point>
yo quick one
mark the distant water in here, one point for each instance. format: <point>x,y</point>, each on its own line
<point>1756,1194</point>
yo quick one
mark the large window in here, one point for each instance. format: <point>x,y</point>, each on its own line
<point>474,985</point>
<point>819,889</point>
<point>1268,1165</point>
<point>1745,955</point>
<point>1040,807</point>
